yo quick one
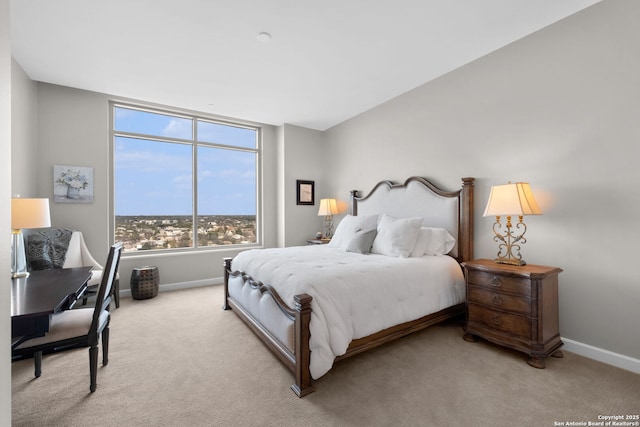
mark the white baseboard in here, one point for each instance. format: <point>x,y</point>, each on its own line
<point>602,355</point>
<point>586,350</point>
<point>181,285</point>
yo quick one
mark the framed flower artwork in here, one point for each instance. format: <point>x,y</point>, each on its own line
<point>72,184</point>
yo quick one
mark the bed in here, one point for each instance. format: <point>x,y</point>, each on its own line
<point>392,268</point>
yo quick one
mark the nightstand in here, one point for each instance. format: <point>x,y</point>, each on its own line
<point>318,241</point>
<point>514,306</point>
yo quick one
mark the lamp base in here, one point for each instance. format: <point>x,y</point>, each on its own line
<point>328,227</point>
<point>19,275</point>
<point>18,258</point>
<point>509,243</point>
<point>510,261</point>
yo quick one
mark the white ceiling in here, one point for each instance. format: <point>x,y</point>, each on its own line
<point>327,60</point>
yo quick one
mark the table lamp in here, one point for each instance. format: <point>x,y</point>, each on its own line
<point>507,200</point>
<point>328,208</point>
<point>25,213</point>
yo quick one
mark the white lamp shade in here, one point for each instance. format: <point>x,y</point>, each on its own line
<point>30,213</point>
<point>512,199</point>
<point>328,207</point>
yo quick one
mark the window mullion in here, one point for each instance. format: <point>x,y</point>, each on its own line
<point>194,185</point>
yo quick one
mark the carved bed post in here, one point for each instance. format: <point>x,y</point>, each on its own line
<point>466,220</point>
<point>227,268</point>
<point>354,205</point>
<point>303,385</point>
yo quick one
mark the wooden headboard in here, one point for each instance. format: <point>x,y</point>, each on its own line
<point>451,210</point>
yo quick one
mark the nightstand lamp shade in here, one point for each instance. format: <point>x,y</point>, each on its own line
<point>25,213</point>
<point>509,200</point>
<point>328,208</point>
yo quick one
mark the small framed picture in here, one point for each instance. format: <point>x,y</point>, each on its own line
<point>72,184</point>
<point>304,192</point>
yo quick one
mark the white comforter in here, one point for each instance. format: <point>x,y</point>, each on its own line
<point>354,295</point>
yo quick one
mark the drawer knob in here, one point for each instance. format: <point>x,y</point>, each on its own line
<point>497,320</point>
<point>496,300</point>
<point>495,282</point>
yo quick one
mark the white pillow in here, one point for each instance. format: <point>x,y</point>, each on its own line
<point>347,228</point>
<point>433,241</point>
<point>396,236</point>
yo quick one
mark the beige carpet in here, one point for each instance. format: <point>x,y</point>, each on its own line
<point>180,360</point>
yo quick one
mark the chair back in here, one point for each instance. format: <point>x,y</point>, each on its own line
<point>78,254</point>
<point>104,293</point>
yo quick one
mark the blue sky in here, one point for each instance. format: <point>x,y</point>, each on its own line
<point>155,178</point>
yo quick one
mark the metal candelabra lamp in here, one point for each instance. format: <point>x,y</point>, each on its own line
<point>510,200</point>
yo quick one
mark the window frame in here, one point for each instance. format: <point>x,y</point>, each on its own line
<point>195,144</point>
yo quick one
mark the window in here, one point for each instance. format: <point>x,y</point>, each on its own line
<point>183,181</point>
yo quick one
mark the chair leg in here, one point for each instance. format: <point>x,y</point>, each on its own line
<point>37,360</point>
<point>93,367</point>
<point>105,346</point>
<point>116,292</point>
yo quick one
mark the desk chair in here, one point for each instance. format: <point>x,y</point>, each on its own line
<point>78,255</point>
<point>80,327</point>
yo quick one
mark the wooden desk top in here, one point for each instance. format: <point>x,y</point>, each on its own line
<point>47,291</point>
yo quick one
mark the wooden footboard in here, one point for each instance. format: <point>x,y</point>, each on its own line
<point>263,301</point>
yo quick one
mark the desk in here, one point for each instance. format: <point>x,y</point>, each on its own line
<point>36,297</point>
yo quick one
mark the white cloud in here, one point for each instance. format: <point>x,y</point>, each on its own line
<point>178,128</point>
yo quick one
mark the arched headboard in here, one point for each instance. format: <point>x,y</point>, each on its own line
<point>451,210</point>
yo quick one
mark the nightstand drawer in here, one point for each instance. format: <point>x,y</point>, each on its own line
<point>500,282</point>
<point>511,323</point>
<point>498,300</point>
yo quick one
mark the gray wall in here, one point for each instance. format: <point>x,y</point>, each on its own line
<point>302,159</point>
<point>24,148</point>
<point>559,109</point>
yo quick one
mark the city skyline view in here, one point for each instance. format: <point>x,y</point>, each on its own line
<point>157,232</point>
